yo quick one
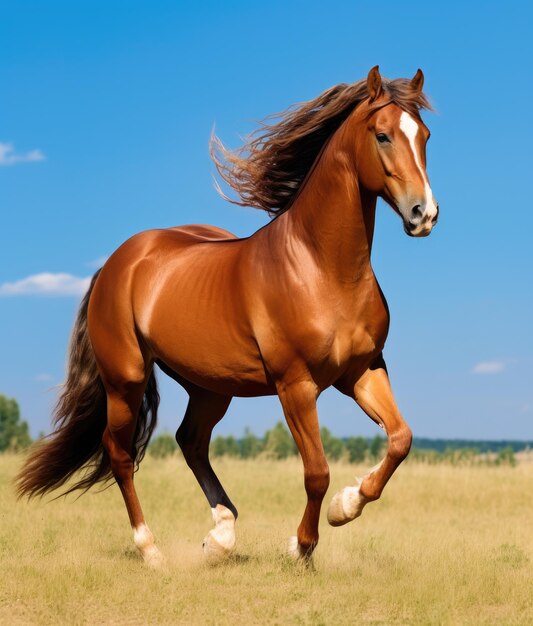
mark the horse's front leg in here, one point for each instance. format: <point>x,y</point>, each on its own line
<point>299,405</point>
<point>374,395</point>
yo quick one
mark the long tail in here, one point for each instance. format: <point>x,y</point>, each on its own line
<point>80,418</point>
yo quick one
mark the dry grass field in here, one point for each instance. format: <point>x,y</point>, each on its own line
<point>444,545</point>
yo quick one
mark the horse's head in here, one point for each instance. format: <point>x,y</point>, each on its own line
<point>391,153</point>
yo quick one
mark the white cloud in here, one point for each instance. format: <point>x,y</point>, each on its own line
<point>9,157</point>
<point>488,367</point>
<point>44,378</point>
<point>97,263</point>
<point>47,284</point>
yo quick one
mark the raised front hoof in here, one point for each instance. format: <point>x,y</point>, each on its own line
<point>345,506</point>
<point>218,546</point>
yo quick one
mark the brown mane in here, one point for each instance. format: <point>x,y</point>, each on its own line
<point>268,170</point>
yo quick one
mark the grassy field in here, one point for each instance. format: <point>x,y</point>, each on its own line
<point>444,545</point>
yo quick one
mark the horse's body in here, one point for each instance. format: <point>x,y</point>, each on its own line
<point>291,310</point>
<point>212,311</point>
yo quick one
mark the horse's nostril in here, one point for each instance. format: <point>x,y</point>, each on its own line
<point>416,211</point>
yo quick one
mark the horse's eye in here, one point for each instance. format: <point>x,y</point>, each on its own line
<point>382,138</point>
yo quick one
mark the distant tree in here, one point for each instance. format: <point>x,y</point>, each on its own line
<point>376,447</point>
<point>279,442</point>
<point>225,446</point>
<point>423,455</point>
<point>218,446</point>
<point>461,456</point>
<point>357,448</point>
<point>250,445</point>
<point>232,446</point>
<point>506,457</point>
<point>162,446</point>
<point>333,446</point>
<point>14,432</point>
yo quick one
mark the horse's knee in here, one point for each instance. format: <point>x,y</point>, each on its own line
<point>317,482</point>
<point>400,443</point>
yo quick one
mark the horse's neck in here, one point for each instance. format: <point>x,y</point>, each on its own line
<point>332,217</point>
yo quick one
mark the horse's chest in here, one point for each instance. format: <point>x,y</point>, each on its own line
<point>362,340</point>
<point>357,331</point>
<point>323,331</point>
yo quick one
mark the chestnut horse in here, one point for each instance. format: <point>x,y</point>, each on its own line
<point>290,310</point>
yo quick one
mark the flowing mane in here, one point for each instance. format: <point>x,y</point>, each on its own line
<point>269,169</point>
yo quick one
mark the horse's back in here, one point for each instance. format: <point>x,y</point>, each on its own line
<point>177,293</point>
<point>203,232</point>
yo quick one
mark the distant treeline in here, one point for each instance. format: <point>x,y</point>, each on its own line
<point>482,446</point>
<point>278,443</point>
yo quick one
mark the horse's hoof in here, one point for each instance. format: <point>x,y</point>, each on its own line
<point>217,547</point>
<point>154,558</point>
<point>294,550</point>
<point>345,506</point>
<point>144,540</point>
<point>220,542</point>
<point>298,554</point>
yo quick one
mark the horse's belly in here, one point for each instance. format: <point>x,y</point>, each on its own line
<point>222,367</point>
<point>207,341</point>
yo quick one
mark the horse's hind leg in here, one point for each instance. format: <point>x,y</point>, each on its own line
<point>123,405</point>
<point>374,395</point>
<point>204,411</point>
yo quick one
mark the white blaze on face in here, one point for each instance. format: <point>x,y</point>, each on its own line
<point>409,127</point>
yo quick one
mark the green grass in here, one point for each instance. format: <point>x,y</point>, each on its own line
<point>444,545</point>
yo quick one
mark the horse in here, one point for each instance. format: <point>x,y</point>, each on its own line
<point>291,310</point>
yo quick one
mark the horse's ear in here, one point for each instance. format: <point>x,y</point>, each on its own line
<point>373,83</point>
<point>417,82</point>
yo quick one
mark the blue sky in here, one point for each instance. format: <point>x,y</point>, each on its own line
<point>105,117</point>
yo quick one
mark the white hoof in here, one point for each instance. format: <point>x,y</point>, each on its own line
<point>220,542</point>
<point>144,540</point>
<point>346,505</point>
<point>294,549</point>
<point>154,559</point>
<point>297,553</point>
